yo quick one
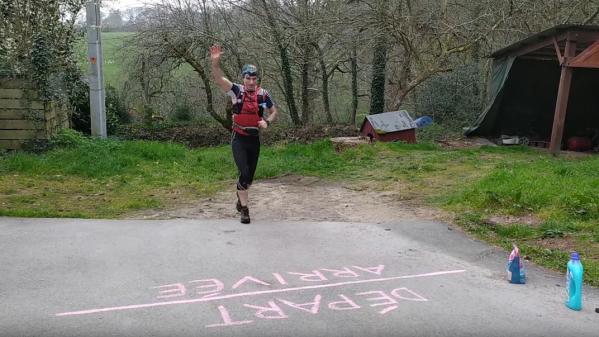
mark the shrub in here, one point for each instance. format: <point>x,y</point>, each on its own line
<point>433,133</point>
<point>452,99</point>
<point>68,138</point>
<point>182,113</point>
<point>79,100</point>
<point>116,112</point>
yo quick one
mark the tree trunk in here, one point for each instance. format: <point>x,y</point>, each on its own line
<point>354,85</point>
<point>305,64</point>
<point>377,86</point>
<point>288,85</point>
<point>285,65</point>
<point>199,69</point>
<point>325,85</point>
<point>379,60</point>
<point>305,72</point>
<point>144,87</point>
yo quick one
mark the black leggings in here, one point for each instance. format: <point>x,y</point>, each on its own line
<point>246,150</point>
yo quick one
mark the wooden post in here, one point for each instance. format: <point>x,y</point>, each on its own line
<point>563,94</point>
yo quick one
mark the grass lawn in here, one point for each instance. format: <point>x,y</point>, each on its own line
<point>110,179</point>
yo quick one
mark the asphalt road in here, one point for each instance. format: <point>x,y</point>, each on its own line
<point>72,277</point>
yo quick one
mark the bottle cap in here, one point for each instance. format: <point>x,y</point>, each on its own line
<point>574,256</point>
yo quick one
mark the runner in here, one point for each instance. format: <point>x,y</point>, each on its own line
<point>250,102</point>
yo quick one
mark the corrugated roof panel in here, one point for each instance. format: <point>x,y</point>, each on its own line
<point>391,121</point>
<point>542,36</point>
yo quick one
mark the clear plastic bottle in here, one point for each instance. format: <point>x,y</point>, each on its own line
<point>574,282</point>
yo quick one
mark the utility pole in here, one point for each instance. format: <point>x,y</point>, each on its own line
<point>96,75</point>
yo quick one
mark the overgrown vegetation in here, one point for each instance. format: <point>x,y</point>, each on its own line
<point>37,43</point>
<point>81,177</point>
<point>204,133</point>
<point>315,54</point>
<point>560,195</point>
<point>324,62</point>
<point>452,99</point>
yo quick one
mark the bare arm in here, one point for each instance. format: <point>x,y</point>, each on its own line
<point>217,72</point>
<point>272,115</point>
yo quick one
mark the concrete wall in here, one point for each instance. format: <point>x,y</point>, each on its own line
<point>23,117</point>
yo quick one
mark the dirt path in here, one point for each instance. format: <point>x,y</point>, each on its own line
<point>294,198</point>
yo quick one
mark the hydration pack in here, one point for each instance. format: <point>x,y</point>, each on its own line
<point>248,111</point>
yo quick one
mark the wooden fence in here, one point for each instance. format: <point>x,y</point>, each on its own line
<point>25,118</point>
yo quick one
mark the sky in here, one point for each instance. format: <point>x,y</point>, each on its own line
<point>108,5</point>
<point>124,4</point>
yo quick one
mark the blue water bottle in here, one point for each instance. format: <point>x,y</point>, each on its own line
<point>515,268</point>
<point>574,282</point>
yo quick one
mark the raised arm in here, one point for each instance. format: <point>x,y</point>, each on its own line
<point>217,72</point>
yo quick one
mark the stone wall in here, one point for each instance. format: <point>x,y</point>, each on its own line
<point>25,118</point>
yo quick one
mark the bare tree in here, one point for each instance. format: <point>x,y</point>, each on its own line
<point>180,32</point>
<point>283,49</point>
<point>148,72</point>
<point>300,43</point>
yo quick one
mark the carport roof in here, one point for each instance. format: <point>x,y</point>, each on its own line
<point>542,45</point>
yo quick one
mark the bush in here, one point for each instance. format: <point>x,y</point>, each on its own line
<point>434,132</point>
<point>182,113</point>
<point>68,138</point>
<point>116,112</point>
<point>148,113</point>
<point>79,100</point>
<point>200,135</point>
<point>452,99</point>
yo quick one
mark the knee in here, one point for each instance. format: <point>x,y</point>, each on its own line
<point>244,183</point>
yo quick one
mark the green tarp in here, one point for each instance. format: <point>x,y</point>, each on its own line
<point>486,121</point>
<point>523,97</point>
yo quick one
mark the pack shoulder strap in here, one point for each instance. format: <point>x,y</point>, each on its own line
<point>259,98</point>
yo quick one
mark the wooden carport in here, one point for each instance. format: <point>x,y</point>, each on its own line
<point>574,47</point>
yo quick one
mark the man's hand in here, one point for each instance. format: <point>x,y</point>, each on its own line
<point>215,52</point>
<point>217,72</point>
<point>262,124</point>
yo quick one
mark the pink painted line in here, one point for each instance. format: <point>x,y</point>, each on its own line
<point>384,311</point>
<point>253,293</point>
<point>211,295</point>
